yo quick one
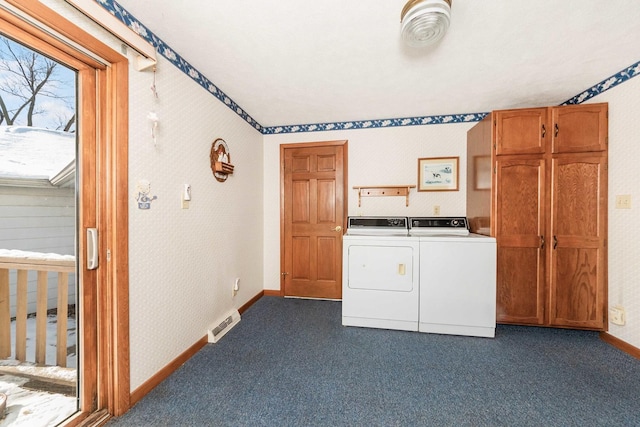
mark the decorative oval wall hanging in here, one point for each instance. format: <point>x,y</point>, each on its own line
<point>220,160</point>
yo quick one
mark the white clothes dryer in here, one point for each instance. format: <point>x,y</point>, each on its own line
<point>380,274</point>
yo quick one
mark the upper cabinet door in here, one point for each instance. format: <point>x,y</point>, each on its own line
<point>522,131</point>
<point>579,128</point>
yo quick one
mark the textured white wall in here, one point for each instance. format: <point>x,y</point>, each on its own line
<point>183,261</point>
<point>624,224</point>
<point>383,156</point>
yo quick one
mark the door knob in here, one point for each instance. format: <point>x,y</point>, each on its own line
<point>338,228</point>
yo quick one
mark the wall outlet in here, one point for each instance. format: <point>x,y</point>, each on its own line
<point>436,209</point>
<point>623,201</point>
<point>617,315</point>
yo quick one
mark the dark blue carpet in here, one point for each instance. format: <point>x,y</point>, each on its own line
<point>290,362</point>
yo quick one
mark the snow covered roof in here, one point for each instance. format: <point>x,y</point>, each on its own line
<point>35,153</point>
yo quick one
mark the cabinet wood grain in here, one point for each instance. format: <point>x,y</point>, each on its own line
<point>549,214</point>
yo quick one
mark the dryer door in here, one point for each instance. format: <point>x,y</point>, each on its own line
<point>382,268</point>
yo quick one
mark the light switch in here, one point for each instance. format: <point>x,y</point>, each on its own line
<point>623,201</point>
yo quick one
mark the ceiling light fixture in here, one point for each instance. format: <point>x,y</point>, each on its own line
<point>424,22</point>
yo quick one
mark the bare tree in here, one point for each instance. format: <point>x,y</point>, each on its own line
<point>64,123</point>
<point>70,123</point>
<point>29,75</point>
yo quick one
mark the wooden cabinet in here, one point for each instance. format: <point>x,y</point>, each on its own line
<point>479,177</point>
<point>579,128</point>
<point>549,215</point>
<point>520,131</point>
<point>520,224</point>
<point>577,280</point>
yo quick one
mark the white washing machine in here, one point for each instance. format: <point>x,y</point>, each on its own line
<point>380,282</point>
<point>457,278</point>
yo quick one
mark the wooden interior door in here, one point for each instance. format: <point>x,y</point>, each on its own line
<point>578,230</point>
<point>520,225</point>
<point>313,218</point>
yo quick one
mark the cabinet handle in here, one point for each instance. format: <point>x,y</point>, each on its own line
<point>555,242</point>
<point>542,242</point>
<point>556,130</point>
<point>544,131</point>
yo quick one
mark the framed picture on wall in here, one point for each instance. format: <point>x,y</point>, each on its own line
<point>438,174</point>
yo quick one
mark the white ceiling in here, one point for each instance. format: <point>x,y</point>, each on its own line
<point>301,61</point>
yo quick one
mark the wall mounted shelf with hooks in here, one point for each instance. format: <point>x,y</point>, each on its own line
<point>220,160</point>
<point>383,190</point>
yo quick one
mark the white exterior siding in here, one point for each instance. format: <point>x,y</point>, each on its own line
<point>38,220</point>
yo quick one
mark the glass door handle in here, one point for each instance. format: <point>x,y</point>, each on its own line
<point>92,248</point>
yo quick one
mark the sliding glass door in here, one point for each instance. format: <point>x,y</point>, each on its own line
<point>39,236</point>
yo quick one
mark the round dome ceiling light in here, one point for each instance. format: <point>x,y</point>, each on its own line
<point>424,22</point>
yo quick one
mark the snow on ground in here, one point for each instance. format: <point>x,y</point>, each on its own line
<point>31,408</point>
<point>29,152</point>
<point>51,344</point>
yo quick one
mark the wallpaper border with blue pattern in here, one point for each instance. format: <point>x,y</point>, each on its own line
<point>161,47</point>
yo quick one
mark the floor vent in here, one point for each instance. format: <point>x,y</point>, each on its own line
<point>217,332</point>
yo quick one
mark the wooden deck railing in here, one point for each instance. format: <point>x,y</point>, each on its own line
<point>43,266</point>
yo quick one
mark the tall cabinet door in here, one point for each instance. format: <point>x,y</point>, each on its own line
<point>520,224</point>
<point>578,253</point>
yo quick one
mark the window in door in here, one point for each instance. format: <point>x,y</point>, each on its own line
<point>38,237</point>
